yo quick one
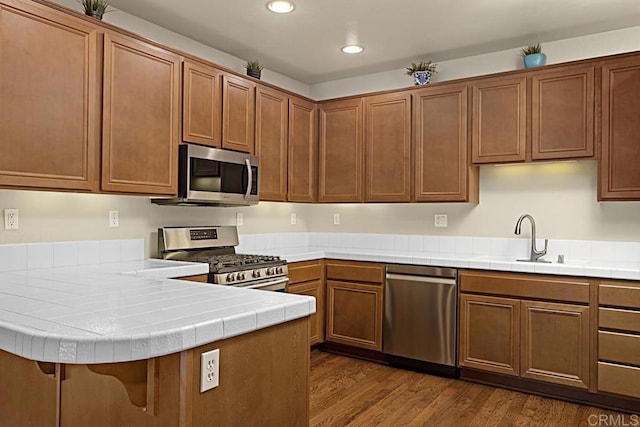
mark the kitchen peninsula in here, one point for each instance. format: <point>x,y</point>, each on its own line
<point>118,343</point>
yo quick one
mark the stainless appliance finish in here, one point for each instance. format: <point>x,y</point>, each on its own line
<point>216,247</point>
<point>535,255</point>
<point>213,177</point>
<point>420,313</point>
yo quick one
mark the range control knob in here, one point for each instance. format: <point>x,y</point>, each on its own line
<point>240,276</point>
<point>256,273</point>
<point>231,277</point>
<point>279,270</point>
<point>271,271</point>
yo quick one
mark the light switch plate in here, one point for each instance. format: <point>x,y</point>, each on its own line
<point>336,219</point>
<point>239,219</point>
<point>294,219</point>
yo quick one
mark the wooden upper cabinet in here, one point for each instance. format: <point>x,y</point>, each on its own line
<point>499,120</point>
<point>619,174</point>
<point>201,104</point>
<point>562,113</point>
<point>49,99</point>
<point>303,151</point>
<point>272,110</point>
<point>442,166</point>
<point>388,148</point>
<point>141,115</point>
<point>341,151</point>
<point>555,343</point>
<point>238,113</point>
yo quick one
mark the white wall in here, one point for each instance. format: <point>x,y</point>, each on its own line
<point>184,44</point>
<point>609,43</point>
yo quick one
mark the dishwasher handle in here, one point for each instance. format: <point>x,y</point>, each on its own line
<point>422,279</point>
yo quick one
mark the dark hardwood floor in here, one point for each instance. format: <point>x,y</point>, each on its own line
<point>352,392</point>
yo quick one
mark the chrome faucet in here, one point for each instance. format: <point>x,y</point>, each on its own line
<point>535,254</point>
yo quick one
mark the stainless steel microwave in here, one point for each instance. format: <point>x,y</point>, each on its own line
<point>214,177</point>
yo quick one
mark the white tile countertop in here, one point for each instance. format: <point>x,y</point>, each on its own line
<point>94,302</point>
<point>615,260</point>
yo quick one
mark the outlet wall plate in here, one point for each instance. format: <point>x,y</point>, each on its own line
<point>209,370</point>
<point>336,219</point>
<point>239,219</point>
<point>11,218</point>
<point>114,219</point>
<point>294,219</point>
<point>440,220</point>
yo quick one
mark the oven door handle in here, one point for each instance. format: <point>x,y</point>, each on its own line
<point>271,283</point>
<point>249,177</point>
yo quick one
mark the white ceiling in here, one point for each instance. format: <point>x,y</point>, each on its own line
<point>305,45</point>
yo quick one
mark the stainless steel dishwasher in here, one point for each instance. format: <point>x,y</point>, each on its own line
<point>419,328</point>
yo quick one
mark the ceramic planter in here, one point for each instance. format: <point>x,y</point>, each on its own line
<point>422,77</point>
<point>535,60</point>
<point>254,73</point>
<point>93,14</point>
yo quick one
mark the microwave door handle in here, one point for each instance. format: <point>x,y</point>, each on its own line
<point>250,178</point>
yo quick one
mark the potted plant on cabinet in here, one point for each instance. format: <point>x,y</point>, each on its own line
<point>421,71</point>
<point>254,69</point>
<point>533,56</point>
<point>95,8</point>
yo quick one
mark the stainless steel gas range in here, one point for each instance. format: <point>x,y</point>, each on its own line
<point>216,246</point>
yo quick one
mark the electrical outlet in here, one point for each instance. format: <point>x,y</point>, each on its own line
<point>336,219</point>
<point>114,219</point>
<point>440,220</point>
<point>294,219</point>
<point>239,219</point>
<point>209,370</point>
<point>11,219</point>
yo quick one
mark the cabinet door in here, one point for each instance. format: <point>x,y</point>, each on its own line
<point>140,117</point>
<point>238,113</point>
<point>303,151</point>
<point>49,99</point>
<point>619,174</point>
<point>354,314</point>
<point>341,151</point>
<point>555,343</point>
<point>562,113</point>
<point>272,109</point>
<point>442,169</point>
<point>499,120</point>
<point>388,148</point>
<point>316,321</point>
<point>201,104</point>
<point>489,334</point>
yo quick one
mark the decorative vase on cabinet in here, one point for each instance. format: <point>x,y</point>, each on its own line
<point>422,77</point>
<point>535,60</point>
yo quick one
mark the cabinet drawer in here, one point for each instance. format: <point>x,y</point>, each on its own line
<point>620,294</point>
<point>624,380</point>
<point>356,271</point>
<point>535,286</point>
<point>616,347</point>
<point>624,320</point>
<point>305,271</point>
<point>199,278</point>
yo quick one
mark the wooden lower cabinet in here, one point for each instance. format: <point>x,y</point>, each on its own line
<point>490,334</point>
<point>525,338</point>
<point>555,343</point>
<point>354,314</point>
<point>264,380</point>
<point>316,321</point>
<point>307,278</point>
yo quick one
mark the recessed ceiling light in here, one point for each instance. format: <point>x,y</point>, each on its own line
<point>352,48</point>
<point>281,6</point>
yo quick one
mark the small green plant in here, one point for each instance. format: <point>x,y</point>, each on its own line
<point>531,49</point>
<point>253,65</point>
<point>95,7</point>
<point>421,66</point>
